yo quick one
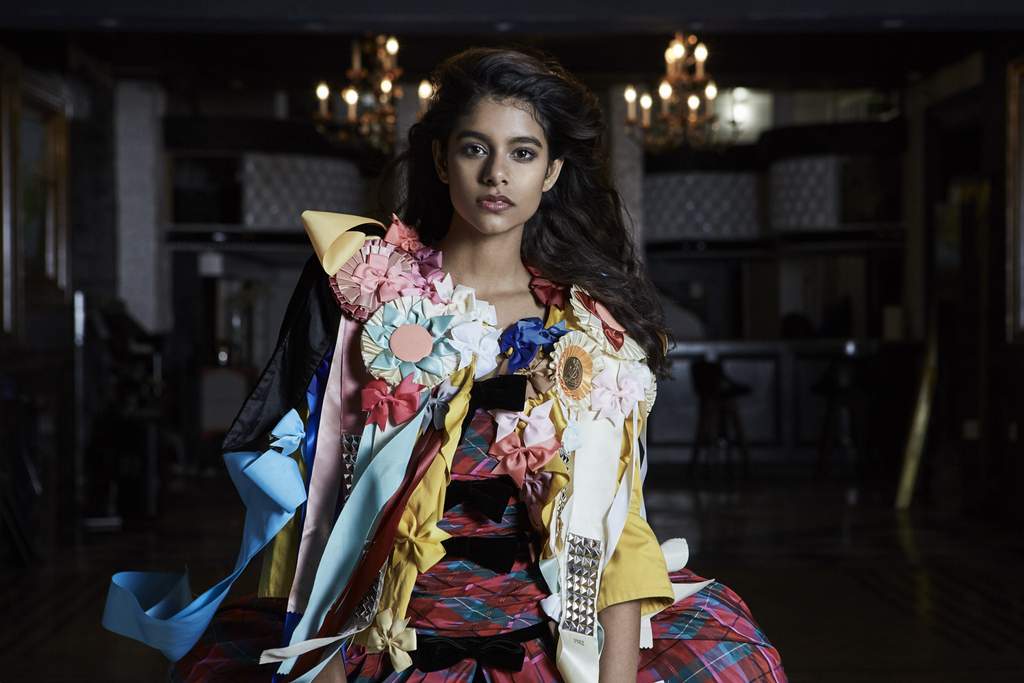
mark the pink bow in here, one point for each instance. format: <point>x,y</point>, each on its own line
<point>538,423</point>
<point>376,276</point>
<point>402,236</point>
<point>517,459</point>
<point>398,407</point>
<point>613,397</point>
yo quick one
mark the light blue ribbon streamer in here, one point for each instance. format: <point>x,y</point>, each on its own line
<point>376,482</point>
<point>157,608</point>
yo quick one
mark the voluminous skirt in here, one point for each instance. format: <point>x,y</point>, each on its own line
<point>709,636</point>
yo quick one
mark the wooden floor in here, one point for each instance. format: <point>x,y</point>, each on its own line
<point>848,590</point>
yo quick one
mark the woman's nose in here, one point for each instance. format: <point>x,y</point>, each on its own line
<point>494,173</point>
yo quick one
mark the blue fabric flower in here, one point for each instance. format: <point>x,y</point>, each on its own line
<point>429,370</point>
<point>526,337</point>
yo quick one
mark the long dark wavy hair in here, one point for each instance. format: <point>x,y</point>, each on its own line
<point>578,234</point>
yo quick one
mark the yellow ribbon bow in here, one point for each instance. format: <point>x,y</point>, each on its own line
<point>394,637</point>
<point>419,542</point>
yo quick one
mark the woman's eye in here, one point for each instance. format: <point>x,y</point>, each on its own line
<point>473,150</point>
<point>524,154</point>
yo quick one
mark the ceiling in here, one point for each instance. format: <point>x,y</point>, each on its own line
<point>523,16</point>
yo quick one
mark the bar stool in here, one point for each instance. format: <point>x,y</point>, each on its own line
<point>718,420</point>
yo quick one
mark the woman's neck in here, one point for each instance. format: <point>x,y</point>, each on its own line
<point>490,264</point>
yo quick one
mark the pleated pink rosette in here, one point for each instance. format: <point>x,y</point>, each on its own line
<point>375,274</point>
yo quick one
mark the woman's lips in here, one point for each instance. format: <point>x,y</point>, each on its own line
<point>495,205</point>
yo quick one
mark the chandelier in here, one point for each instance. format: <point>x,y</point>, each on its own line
<point>363,112</point>
<point>686,115</point>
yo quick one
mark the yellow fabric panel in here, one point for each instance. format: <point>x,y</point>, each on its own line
<point>636,569</point>
<point>279,558</point>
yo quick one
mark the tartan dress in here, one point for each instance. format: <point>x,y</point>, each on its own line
<point>710,636</point>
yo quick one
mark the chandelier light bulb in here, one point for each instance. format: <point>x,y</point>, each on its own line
<point>677,49</point>
<point>426,90</point>
<point>711,91</point>
<point>646,101</point>
<point>322,91</point>
<point>693,102</point>
<point>385,85</point>
<point>700,53</point>
<point>665,90</point>
<point>351,95</point>
<point>630,94</point>
<point>391,46</point>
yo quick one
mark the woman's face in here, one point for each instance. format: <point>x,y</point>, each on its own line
<point>497,166</point>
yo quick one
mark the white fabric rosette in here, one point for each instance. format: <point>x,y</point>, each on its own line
<point>594,327</point>
<point>474,332</point>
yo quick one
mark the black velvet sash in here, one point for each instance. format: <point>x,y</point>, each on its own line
<point>504,651</point>
<point>504,392</point>
<point>497,553</point>
<point>309,330</point>
<point>489,497</point>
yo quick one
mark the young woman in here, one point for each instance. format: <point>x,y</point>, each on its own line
<point>471,386</point>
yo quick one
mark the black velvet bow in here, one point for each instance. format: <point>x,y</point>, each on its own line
<point>504,392</point>
<point>497,553</point>
<point>487,496</point>
<point>505,651</point>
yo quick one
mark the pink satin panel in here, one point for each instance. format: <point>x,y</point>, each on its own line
<point>353,378</point>
<point>325,480</point>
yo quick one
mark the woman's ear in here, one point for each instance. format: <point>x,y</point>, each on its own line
<point>440,163</point>
<point>554,168</point>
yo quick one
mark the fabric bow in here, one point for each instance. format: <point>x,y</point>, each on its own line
<point>419,543</point>
<point>522,340</point>
<point>393,637</point>
<point>381,277</point>
<point>517,458</point>
<point>436,653</point>
<point>497,553</point>
<point>384,406</point>
<point>547,292</point>
<point>538,422</point>
<point>609,324</point>
<point>402,236</point>
<point>534,493</point>
<point>615,394</point>
<point>487,496</point>
<point>429,260</point>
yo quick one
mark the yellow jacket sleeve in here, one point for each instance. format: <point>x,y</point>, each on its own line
<point>636,569</point>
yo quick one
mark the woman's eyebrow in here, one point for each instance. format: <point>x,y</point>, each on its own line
<point>529,139</point>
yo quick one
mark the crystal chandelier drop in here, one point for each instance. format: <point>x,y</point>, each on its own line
<point>687,93</point>
<point>363,112</point>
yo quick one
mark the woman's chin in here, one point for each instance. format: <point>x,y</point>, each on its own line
<point>489,223</point>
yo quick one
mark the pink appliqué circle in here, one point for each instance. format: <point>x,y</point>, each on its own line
<point>411,343</point>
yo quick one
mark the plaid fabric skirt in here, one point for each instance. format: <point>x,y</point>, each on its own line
<point>710,636</point>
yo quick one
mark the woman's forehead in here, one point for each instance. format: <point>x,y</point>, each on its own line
<point>501,120</point>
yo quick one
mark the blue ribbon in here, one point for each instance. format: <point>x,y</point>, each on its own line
<point>380,468</point>
<point>314,402</point>
<point>157,608</point>
<point>525,337</point>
